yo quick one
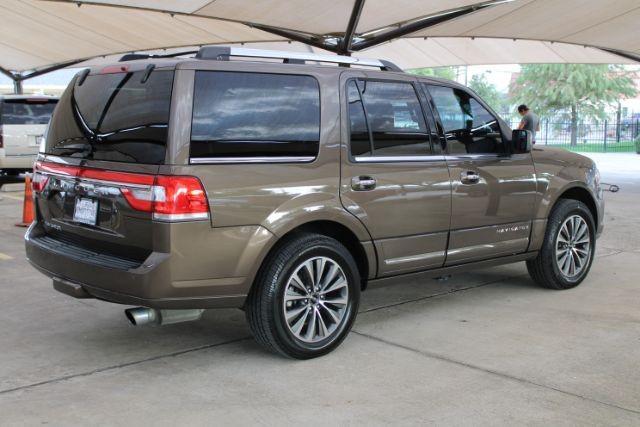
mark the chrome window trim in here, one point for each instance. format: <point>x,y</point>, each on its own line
<point>273,159</point>
<point>475,156</point>
<point>387,159</point>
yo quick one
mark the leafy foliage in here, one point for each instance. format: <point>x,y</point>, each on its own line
<point>550,88</point>
<point>442,72</point>
<point>489,93</point>
<point>584,90</point>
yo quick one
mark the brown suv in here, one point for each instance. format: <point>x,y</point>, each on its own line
<point>286,189</point>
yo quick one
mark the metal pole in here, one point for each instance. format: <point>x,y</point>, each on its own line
<point>605,136</point>
<point>618,119</point>
<point>546,132</point>
<point>17,86</point>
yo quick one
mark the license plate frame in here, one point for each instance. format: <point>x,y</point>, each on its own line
<point>85,211</point>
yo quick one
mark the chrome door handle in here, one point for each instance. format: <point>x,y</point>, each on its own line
<point>469,177</point>
<point>363,183</point>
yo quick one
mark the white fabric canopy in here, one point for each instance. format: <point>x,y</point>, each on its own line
<point>36,34</point>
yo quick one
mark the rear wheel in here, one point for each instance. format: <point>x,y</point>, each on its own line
<point>568,248</point>
<point>306,297</point>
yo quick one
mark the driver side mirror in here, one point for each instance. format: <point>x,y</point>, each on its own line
<point>521,141</point>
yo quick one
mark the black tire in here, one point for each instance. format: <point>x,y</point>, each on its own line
<point>544,269</point>
<point>265,308</point>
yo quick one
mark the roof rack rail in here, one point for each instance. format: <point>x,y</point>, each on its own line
<point>223,53</point>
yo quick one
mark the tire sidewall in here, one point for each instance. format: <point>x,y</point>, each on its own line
<point>558,217</point>
<point>337,253</point>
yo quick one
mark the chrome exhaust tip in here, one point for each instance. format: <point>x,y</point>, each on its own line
<point>140,316</point>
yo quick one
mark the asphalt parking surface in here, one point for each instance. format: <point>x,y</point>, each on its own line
<point>487,347</point>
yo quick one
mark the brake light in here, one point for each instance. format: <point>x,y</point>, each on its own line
<point>1,138</point>
<point>39,182</point>
<point>114,69</point>
<point>170,198</point>
<point>167,197</point>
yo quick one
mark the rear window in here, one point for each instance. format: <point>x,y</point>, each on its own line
<point>26,112</point>
<point>249,115</point>
<point>114,117</point>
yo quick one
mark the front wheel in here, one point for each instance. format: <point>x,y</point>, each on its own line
<point>306,297</point>
<point>568,248</point>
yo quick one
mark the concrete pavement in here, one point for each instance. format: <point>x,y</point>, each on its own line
<point>487,347</point>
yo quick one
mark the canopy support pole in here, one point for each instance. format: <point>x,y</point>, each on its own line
<point>623,54</point>
<point>309,39</point>
<point>344,47</point>
<point>19,78</point>
<point>422,23</point>
<point>17,87</point>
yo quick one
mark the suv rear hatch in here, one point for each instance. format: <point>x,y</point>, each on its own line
<point>22,124</point>
<point>97,191</point>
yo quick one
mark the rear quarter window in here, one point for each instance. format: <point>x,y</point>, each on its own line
<point>255,115</point>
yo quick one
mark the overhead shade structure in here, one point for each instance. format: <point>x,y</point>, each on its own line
<point>447,51</point>
<point>39,35</point>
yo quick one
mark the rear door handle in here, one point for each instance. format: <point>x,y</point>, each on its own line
<point>469,177</point>
<point>363,183</point>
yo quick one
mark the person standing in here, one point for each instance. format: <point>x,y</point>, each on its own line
<point>530,121</point>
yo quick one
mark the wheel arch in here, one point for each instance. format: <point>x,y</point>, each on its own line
<point>363,252</point>
<point>581,194</point>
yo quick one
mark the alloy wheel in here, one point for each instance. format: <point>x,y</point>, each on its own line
<point>573,246</point>
<point>316,298</point>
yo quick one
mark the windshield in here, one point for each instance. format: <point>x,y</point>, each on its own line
<point>26,111</point>
<point>121,117</point>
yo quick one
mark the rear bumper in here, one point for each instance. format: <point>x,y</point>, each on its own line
<point>17,162</point>
<point>161,280</point>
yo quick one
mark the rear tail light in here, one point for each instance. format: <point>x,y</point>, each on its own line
<point>39,182</point>
<point>1,138</point>
<point>170,198</point>
<point>167,197</point>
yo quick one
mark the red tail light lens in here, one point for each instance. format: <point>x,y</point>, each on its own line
<point>39,180</point>
<point>1,138</point>
<point>179,198</point>
<point>170,198</point>
<point>167,197</point>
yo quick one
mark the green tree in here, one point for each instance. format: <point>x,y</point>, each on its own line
<point>584,90</point>
<point>442,72</point>
<point>489,93</point>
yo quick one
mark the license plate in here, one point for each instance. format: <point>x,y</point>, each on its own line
<point>86,211</point>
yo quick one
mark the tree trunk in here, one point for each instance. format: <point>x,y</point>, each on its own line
<point>574,125</point>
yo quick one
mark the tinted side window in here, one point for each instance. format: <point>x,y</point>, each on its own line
<point>395,117</point>
<point>469,127</point>
<point>255,115</point>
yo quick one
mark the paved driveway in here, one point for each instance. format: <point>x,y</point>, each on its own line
<point>482,348</point>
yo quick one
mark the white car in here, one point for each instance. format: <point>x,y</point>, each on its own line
<point>23,121</point>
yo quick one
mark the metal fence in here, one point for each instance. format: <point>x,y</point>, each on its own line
<point>604,136</point>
